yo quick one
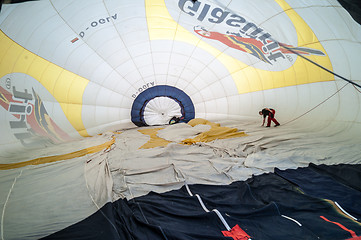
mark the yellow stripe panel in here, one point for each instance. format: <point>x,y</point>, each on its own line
<point>154,140</point>
<point>162,26</point>
<point>247,78</point>
<point>66,87</point>
<point>57,158</point>
<point>216,132</point>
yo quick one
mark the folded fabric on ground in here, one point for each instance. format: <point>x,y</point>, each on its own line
<point>290,204</point>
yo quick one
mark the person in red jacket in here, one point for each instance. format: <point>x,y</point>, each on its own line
<point>271,116</point>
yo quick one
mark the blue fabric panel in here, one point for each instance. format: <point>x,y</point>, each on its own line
<point>186,104</point>
<point>323,186</point>
<point>266,207</point>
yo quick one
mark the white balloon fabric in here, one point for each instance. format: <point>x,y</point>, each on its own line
<point>71,69</point>
<point>74,69</point>
<point>160,110</point>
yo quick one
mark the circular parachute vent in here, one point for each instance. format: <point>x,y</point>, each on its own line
<point>159,104</point>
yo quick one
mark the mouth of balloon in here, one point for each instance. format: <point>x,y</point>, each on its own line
<point>159,104</point>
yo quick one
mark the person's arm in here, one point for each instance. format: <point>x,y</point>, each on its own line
<point>263,121</point>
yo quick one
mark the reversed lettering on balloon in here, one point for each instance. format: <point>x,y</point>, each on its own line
<point>241,34</point>
<point>97,23</point>
<point>217,15</point>
<point>30,121</point>
<point>142,88</point>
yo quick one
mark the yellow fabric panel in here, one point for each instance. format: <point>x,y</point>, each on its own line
<point>154,140</point>
<point>158,19</point>
<point>216,132</point>
<point>24,61</point>
<point>197,121</point>
<point>51,75</point>
<point>57,158</point>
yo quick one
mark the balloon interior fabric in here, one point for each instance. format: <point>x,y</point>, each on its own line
<point>140,119</point>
